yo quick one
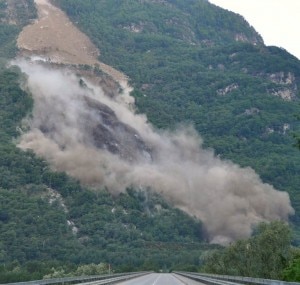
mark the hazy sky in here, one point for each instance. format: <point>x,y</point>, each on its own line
<point>277,21</point>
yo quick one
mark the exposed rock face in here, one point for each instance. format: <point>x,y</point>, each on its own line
<point>282,78</point>
<point>224,91</point>
<point>244,39</point>
<point>135,28</point>
<point>252,111</point>
<point>286,94</point>
<point>55,42</point>
<point>99,125</point>
<point>113,135</point>
<point>288,88</point>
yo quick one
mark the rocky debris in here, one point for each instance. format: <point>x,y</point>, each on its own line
<point>227,89</point>
<point>286,89</point>
<point>286,127</point>
<point>282,78</point>
<point>134,28</point>
<point>54,196</point>
<point>270,131</point>
<point>109,133</point>
<point>283,129</point>
<point>53,40</point>
<point>71,224</point>
<point>287,94</point>
<point>243,38</point>
<point>252,111</point>
<point>54,37</point>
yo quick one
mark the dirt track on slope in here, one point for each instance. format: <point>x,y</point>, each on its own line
<point>56,39</point>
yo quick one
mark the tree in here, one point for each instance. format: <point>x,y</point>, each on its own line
<point>264,255</point>
<point>271,249</point>
<point>292,272</point>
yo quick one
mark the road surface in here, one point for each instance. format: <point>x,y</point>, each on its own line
<point>160,279</point>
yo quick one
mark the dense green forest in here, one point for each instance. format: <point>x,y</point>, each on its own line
<point>192,62</point>
<point>189,61</point>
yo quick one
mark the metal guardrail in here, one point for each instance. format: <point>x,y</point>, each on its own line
<point>100,279</point>
<point>206,280</point>
<point>217,279</point>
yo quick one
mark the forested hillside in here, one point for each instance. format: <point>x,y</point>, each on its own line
<point>48,219</point>
<point>49,222</point>
<point>193,62</point>
<point>189,62</point>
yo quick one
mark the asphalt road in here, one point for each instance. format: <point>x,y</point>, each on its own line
<point>160,279</point>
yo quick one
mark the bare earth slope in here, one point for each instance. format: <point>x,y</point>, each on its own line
<point>54,37</point>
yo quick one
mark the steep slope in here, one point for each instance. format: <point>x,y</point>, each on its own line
<point>99,139</point>
<point>54,36</point>
<point>171,63</point>
<point>195,62</point>
<point>57,40</point>
<point>49,220</point>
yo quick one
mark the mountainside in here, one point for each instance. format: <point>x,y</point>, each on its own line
<point>48,220</point>
<point>84,178</point>
<point>197,63</point>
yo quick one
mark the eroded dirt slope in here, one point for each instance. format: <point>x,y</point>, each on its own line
<point>56,39</point>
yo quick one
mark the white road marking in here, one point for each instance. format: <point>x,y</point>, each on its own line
<point>154,283</point>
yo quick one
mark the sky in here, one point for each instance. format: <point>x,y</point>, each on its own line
<point>277,21</point>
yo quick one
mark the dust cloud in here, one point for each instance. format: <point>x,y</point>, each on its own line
<point>228,199</point>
